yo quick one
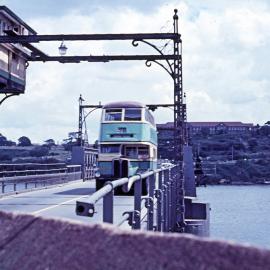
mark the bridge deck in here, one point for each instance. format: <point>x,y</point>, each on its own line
<point>60,202</point>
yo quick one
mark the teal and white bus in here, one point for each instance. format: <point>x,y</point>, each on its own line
<point>127,142</point>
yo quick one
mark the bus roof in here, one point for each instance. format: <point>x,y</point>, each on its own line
<point>123,104</point>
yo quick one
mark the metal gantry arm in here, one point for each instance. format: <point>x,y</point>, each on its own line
<point>38,55</point>
<point>94,107</point>
<point>84,37</point>
<point>172,62</point>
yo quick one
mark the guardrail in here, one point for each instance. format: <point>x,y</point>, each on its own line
<point>165,197</point>
<point>13,181</point>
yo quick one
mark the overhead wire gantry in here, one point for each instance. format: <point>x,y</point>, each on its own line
<point>171,63</point>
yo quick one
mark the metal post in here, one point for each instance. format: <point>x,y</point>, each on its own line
<point>178,94</point>
<point>3,186</point>
<point>165,212</point>
<point>159,201</point>
<point>108,207</point>
<point>176,183</point>
<point>177,191</point>
<point>169,205</point>
<point>150,212</point>
<point>80,139</point>
<point>167,198</point>
<point>180,201</point>
<point>137,204</point>
<point>173,200</point>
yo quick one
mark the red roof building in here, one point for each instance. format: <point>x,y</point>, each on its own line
<point>213,127</point>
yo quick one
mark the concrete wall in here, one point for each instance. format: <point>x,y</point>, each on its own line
<point>30,242</point>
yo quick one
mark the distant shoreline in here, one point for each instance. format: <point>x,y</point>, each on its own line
<point>238,184</point>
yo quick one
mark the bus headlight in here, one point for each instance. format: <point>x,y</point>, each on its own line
<point>97,174</point>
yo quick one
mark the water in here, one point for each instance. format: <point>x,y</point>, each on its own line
<point>239,213</point>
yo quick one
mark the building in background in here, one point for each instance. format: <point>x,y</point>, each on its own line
<point>219,127</point>
<point>13,57</point>
<point>87,157</point>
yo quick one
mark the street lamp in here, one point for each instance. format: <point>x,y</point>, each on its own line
<point>62,49</point>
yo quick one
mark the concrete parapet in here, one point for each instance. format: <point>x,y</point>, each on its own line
<point>31,242</point>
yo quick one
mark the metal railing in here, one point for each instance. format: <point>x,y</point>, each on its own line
<point>14,181</point>
<point>161,203</point>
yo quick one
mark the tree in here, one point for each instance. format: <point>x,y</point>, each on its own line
<point>265,130</point>
<point>5,142</point>
<point>96,144</point>
<point>71,141</point>
<point>49,142</point>
<point>24,141</point>
<point>252,143</point>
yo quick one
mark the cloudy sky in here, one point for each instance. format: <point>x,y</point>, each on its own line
<point>225,63</point>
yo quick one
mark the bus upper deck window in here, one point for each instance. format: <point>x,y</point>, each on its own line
<point>113,115</point>
<point>133,115</point>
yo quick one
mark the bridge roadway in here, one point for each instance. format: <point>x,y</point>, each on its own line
<point>59,202</point>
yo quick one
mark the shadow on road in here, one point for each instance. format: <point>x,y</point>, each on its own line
<point>77,191</point>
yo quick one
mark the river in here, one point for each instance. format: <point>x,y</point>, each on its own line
<point>239,213</point>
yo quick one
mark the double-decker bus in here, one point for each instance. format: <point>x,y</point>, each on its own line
<point>127,142</point>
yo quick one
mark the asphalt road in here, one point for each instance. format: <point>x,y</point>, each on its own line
<point>60,201</point>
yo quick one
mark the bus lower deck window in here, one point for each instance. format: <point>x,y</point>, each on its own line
<point>131,152</point>
<point>143,152</point>
<point>107,149</point>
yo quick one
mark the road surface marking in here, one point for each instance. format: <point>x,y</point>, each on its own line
<point>54,206</point>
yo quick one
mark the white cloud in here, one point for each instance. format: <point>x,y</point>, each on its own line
<point>226,67</point>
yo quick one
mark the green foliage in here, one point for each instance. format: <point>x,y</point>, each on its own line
<point>5,157</point>
<point>24,141</point>
<point>252,143</point>
<point>205,131</point>
<point>5,142</point>
<point>264,130</point>
<point>239,158</point>
<point>39,151</point>
<point>49,142</point>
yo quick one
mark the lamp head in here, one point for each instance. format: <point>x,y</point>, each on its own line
<point>62,49</point>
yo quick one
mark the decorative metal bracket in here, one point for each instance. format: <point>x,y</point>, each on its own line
<point>148,63</point>
<point>148,201</point>
<point>131,216</point>
<point>6,97</point>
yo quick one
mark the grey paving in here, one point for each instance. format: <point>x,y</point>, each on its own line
<point>60,202</point>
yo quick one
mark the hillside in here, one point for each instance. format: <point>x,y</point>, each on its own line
<point>241,158</point>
